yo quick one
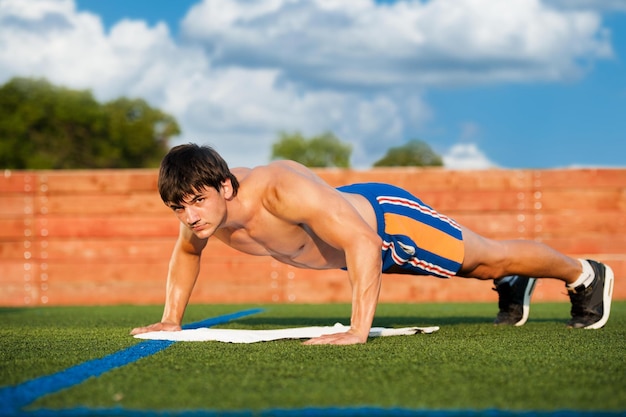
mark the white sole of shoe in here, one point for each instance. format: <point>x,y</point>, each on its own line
<point>526,306</point>
<point>607,296</point>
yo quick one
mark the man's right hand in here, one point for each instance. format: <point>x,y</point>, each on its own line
<point>156,327</point>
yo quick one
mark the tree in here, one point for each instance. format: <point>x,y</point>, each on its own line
<point>413,153</point>
<point>324,150</point>
<point>49,127</point>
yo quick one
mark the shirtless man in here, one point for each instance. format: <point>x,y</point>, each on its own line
<point>285,211</point>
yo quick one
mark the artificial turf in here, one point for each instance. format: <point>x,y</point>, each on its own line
<point>469,364</point>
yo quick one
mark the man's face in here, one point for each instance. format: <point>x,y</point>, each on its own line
<point>203,211</point>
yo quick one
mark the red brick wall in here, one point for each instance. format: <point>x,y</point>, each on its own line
<point>104,237</point>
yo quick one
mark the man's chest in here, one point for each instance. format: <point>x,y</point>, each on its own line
<point>267,235</point>
<point>292,244</point>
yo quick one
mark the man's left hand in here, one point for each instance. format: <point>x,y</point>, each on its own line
<point>347,338</point>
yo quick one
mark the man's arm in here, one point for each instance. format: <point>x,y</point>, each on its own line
<point>363,260</point>
<point>183,272</point>
<point>303,199</point>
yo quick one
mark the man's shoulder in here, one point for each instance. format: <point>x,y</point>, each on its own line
<point>263,180</point>
<point>285,165</point>
<point>273,165</point>
<point>272,172</point>
<point>279,180</point>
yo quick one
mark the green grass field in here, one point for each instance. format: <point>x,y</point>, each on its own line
<point>469,364</point>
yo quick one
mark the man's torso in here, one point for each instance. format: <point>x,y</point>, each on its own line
<point>264,233</point>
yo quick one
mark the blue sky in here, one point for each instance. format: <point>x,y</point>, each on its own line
<point>516,84</point>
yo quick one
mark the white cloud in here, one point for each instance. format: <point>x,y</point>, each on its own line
<point>466,156</point>
<point>361,43</point>
<point>49,38</point>
<point>244,71</point>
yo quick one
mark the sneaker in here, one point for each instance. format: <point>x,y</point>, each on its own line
<point>591,306</point>
<point>513,299</point>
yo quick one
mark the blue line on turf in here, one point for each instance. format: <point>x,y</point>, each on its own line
<point>12,399</point>
<point>312,412</point>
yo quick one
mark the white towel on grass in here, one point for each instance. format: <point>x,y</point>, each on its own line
<point>204,334</point>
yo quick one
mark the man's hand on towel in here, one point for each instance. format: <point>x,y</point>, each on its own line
<point>347,338</point>
<point>156,327</point>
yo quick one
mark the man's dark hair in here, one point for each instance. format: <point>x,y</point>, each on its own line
<point>187,169</point>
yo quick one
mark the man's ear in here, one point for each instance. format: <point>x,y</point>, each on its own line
<point>227,189</point>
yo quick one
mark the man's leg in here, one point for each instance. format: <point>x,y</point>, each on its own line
<point>589,283</point>
<point>492,259</point>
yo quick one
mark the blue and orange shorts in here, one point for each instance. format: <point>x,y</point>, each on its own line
<point>416,238</point>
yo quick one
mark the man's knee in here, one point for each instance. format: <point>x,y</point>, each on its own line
<point>484,258</point>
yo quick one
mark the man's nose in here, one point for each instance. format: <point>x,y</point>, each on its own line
<point>192,216</point>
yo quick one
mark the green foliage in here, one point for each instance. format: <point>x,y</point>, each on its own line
<point>413,153</point>
<point>43,126</point>
<point>324,150</point>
